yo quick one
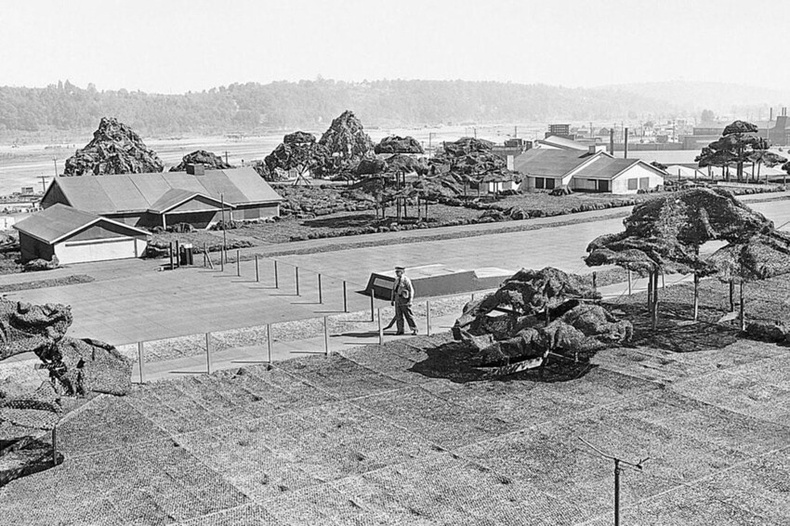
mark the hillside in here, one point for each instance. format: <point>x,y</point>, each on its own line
<point>720,97</point>
<point>289,105</point>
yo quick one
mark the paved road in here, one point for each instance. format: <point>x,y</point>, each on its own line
<point>132,302</point>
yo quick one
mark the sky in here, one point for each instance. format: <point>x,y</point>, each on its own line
<point>174,46</point>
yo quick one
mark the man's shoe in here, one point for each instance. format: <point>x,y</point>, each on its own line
<point>399,333</point>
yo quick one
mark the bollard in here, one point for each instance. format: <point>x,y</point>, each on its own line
<point>371,306</point>
<point>381,331</point>
<point>320,291</point>
<point>269,341</point>
<point>238,263</point>
<point>257,275</point>
<point>178,256</point>
<point>326,336</point>
<point>428,318</point>
<point>171,256</point>
<point>222,260</point>
<point>345,297</point>
<point>140,359</point>
<point>473,297</point>
<point>55,445</point>
<point>208,353</point>
<point>276,276</point>
<point>297,280</point>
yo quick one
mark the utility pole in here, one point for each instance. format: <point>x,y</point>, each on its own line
<point>617,469</point>
<point>43,183</point>
<point>55,160</point>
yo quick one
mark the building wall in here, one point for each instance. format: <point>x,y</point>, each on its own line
<point>72,251</point>
<point>101,230</point>
<point>257,211</point>
<point>54,196</point>
<point>32,248</point>
<point>639,176</point>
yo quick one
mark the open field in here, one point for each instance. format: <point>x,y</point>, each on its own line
<point>408,433</point>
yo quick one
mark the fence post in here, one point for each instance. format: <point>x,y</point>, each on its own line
<point>381,331</point>
<point>297,280</point>
<point>276,276</point>
<point>238,262</point>
<point>208,353</point>
<point>428,318</point>
<point>140,359</point>
<point>326,336</point>
<point>222,260</point>
<point>55,445</point>
<point>345,297</point>
<point>171,256</point>
<point>269,341</point>
<point>257,275</point>
<point>320,291</point>
<point>371,305</point>
<point>178,255</point>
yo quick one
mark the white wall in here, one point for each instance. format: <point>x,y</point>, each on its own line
<point>637,171</point>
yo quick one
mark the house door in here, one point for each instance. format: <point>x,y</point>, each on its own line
<point>603,186</point>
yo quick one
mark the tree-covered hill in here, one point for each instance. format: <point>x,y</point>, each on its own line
<point>249,107</point>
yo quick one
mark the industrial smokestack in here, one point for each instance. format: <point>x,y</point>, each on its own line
<point>625,145</point>
<point>771,115</point>
<point>611,141</point>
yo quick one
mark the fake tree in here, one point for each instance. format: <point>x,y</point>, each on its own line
<point>299,151</point>
<point>767,158</point>
<point>664,234</point>
<point>738,142</point>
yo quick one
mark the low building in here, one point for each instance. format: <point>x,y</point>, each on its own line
<point>75,236</point>
<point>199,198</point>
<point>591,171</point>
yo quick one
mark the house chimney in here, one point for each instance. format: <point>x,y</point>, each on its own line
<point>625,145</point>
<point>196,169</point>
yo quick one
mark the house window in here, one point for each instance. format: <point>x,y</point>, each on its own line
<point>540,183</point>
<point>549,184</point>
<point>633,184</point>
<point>603,186</point>
<point>644,183</point>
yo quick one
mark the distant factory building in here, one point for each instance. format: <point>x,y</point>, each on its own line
<point>75,236</point>
<point>148,200</point>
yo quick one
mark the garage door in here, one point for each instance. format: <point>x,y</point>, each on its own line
<point>95,250</point>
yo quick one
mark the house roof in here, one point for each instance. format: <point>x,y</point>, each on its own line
<point>605,167</point>
<point>176,196</point>
<point>550,163</point>
<point>106,194</point>
<point>59,222</point>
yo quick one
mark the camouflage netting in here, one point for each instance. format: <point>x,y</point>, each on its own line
<point>299,151</point>
<point>115,149</point>
<point>664,232</point>
<point>346,143</point>
<point>396,144</point>
<point>534,313</point>
<point>202,157</point>
<point>74,367</point>
<point>469,160</point>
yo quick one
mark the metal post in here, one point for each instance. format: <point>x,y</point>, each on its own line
<point>297,280</point>
<point>178,256</point>
<point>269,341</point>
<point>381,331</point>
<point>371,304</point>
<point>629,282</point>
<point>320,291</point>
<point>473,296</point>
<point>276,276</point>
<point>617,492</point>
<point>55,445</point>
<point>428,318</point>
<point>140,359</point>
<point>222,260</point>
<point>208,353</point>
<point>257,274</point>
<point>238,263</point>
<point>345,297</point>
<point>171,256</point>
<point>326,336</point>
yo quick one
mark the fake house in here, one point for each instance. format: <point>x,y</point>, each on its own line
<point>75,236</point>
<point>197,197</point>
<point>586,171</point>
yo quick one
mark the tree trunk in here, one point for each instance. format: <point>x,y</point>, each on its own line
<point>741,314</point>
<point>732,295</point>
<point>696,296</point>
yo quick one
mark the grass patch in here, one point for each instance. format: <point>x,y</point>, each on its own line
<point>44,283</point>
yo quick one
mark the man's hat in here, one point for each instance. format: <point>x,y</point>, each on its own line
<point>400,268</point>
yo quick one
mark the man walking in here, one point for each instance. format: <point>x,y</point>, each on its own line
<point>402,298</point>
